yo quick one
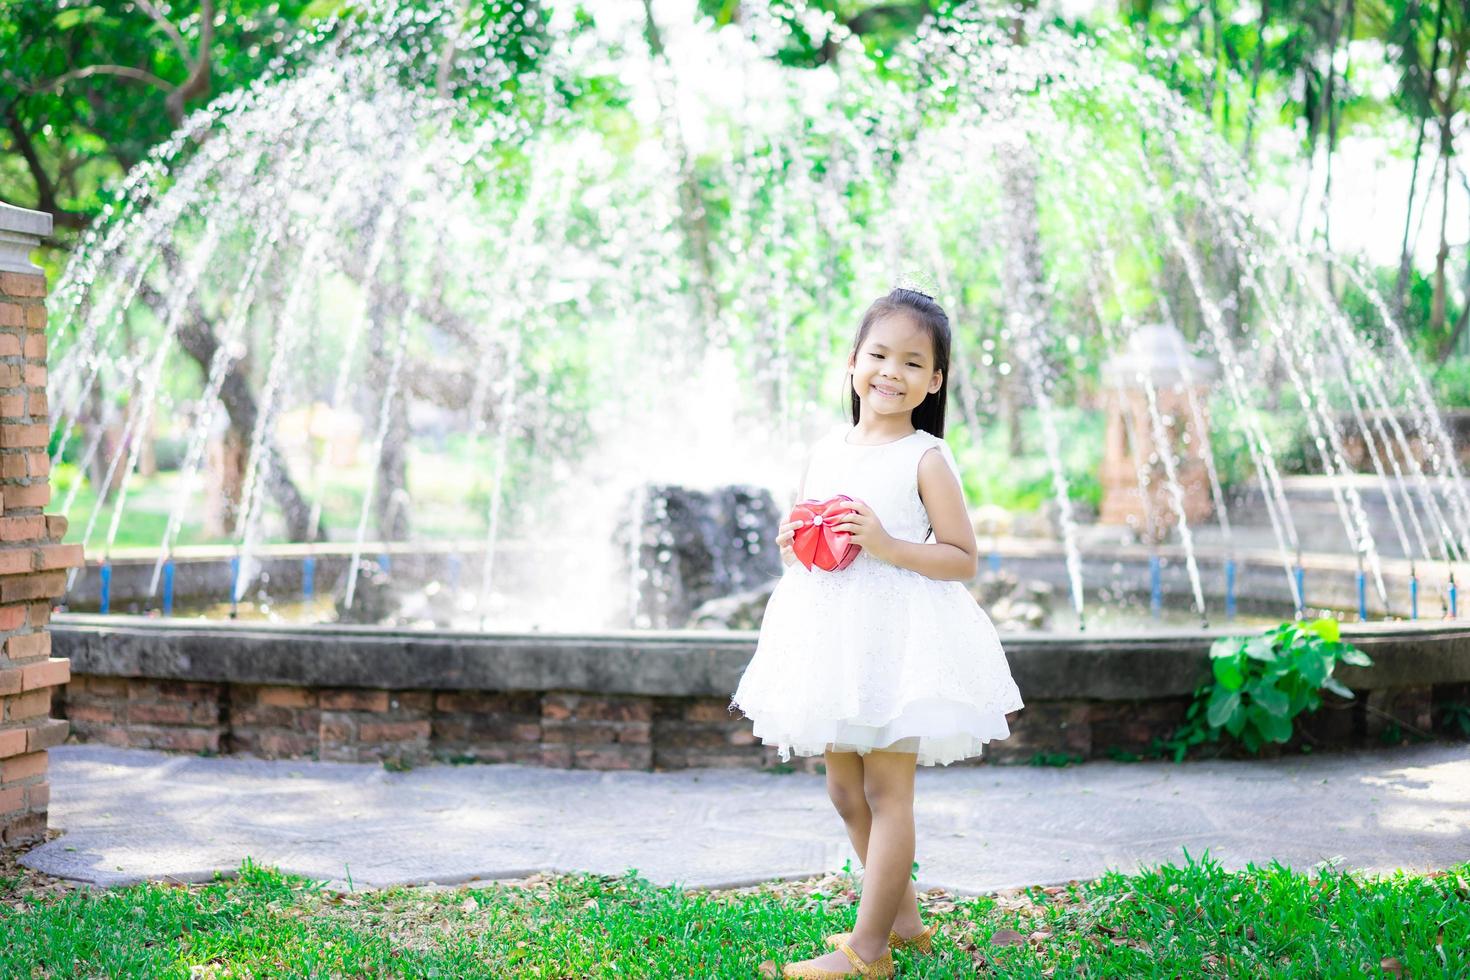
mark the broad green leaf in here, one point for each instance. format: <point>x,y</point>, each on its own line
<point>1337,687</point>
<point>1274,701</point>
<point>1276,728</point>
<point>1226,646</point>
<point>1314,667</point>
<point>1228,673</point>
<point>1258,717</point>
<point>1222,705</point>
<point>1328,629</point>
<point>1260,648</point>
<point>1352,655</point>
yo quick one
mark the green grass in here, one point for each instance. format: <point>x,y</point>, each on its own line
<point>1195,920</point>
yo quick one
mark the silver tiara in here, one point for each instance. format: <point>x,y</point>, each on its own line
<point>918,282</point>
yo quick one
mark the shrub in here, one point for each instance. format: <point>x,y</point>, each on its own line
<point>1260,684</point>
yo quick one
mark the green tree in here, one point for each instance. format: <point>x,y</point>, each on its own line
<point>1428,42</point>
<point>87,89</point>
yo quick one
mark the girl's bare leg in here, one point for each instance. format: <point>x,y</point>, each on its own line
<point>866,795</point>
<point>845,787</point>
<point>888,787</point>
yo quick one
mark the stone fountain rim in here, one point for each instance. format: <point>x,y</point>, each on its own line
<point>669,663</point>
<point>130,623</point>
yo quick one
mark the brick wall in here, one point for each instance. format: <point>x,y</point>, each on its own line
<point>33,561</point>
<point>562,729</point>
<point>140,713</point>
<point>577,730</point>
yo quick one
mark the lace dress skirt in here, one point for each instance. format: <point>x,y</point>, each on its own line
<point>876,657</point>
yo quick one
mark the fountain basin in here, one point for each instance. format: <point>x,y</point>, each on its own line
<point>1261,583</point>
<point>642,699</point>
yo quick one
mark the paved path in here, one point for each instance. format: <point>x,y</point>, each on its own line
<point>133,814</point>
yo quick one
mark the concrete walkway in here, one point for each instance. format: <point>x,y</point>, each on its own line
<point>132,814</point>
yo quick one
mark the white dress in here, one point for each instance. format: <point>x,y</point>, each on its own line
<point>876,656</point>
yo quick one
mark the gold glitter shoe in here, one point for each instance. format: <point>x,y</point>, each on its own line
<point>921,943</point>
<point>881,967</point>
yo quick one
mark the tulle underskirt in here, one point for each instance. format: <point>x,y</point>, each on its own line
<point>937,730</point>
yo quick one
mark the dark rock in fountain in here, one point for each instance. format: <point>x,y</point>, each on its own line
<point>693,546</point>
<point>1013,605</point>
<point>741,611</point>
<point>433,603</point>
<point>373,601</point>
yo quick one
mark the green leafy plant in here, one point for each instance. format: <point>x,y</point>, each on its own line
<point>1392,734</point>
<point>1260,684</point>
<point>1454,716</point>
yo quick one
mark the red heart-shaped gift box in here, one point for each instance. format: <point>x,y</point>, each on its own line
<point>816,541</point>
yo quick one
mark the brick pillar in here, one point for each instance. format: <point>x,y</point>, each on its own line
<point>33,561</point>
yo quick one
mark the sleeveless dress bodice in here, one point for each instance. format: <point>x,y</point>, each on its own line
<point>878,475</point>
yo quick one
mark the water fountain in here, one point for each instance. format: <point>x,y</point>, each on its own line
<point>589,322</point>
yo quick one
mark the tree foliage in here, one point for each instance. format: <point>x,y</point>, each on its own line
<point>87,89</point>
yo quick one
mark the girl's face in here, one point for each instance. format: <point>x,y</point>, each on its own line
<point>893,371</point>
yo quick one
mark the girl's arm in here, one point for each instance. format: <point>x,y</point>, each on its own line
<point>954,555</point>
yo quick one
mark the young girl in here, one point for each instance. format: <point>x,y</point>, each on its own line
<point>888,663</point>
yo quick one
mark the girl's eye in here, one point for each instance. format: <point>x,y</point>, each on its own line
<point>880,357</point>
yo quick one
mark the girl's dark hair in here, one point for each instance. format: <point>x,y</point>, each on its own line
<point>929,416</point>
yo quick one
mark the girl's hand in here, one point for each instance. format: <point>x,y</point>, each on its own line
<point>784,541</point>
<point>866,529</point>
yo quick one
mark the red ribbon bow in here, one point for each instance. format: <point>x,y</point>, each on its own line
<point>817,541</point>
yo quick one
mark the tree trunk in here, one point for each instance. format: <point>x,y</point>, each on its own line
<point>1259,64</point>
<point>1441,257</point>
<point>197,85</point>
<point>1008,401</point>
<point>390,502</point>
<point>1025,276</point>
<point>197,337</point>
<point>1436,313</point>
<point>693,216</point>
<point>1332,118</point>
<point>1018,192</point>
<point>1460,321</point>
<point>1463,319</point>
<point>1406,257</point>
